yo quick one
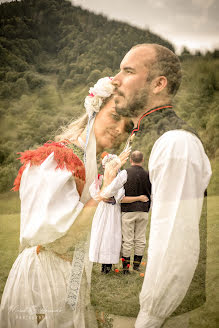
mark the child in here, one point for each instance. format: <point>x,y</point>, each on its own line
<point>105,242</point>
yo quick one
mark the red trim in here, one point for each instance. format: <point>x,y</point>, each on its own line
<point>64,157</point>
<point>151,111</point>
<point>104,154</point>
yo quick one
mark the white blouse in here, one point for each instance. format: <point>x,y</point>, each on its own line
<point>115,188</point>
<point>49,203</point>
<point>179,171</point>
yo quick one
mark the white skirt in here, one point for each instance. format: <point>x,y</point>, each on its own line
<point>106,236</point>
<point>37,284</point>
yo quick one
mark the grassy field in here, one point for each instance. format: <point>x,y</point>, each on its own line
<point>116,293</point>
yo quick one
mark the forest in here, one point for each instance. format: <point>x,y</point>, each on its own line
<point>51,52</point>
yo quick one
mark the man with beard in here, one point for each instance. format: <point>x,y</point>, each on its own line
<point>179,172</point>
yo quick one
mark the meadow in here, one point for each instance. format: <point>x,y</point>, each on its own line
<point>115,293</point>
<point>48,61</point>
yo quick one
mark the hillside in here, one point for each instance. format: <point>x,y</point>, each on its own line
<point>51,52</point>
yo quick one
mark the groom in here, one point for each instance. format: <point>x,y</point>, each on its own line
<point>179,172</point>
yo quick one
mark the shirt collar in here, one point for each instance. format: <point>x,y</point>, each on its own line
<point>148,112</point>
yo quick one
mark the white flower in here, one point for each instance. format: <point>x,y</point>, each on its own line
<point>110,159</point>
<point>103,88</point>
<point>92,104</point>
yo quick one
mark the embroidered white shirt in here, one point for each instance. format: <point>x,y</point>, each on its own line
<point>179,171</point>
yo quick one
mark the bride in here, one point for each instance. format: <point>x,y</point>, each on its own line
<point>48,285</point>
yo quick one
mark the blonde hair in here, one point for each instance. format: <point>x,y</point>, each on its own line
<point>73,130</point>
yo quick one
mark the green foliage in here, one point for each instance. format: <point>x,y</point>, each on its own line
<point>94,76</point>
<point>11,76</point>
<point>197,100</point>
<point>213,188</point>
<point>20,87</point>
<point>71,35</point>
<point>7,174</point>
<point>5,90</point>
<point>68,84</point>
<point>52,52</point>
<point>34,80</point>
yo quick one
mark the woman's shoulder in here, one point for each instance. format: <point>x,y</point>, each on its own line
<point>63,155</point>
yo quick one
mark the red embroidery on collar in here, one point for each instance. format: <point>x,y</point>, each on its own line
<point>151,111</point>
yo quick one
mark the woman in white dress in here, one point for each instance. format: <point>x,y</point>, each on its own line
<point>105,241</point>
<point>106,235</point>
<point>54,202</point>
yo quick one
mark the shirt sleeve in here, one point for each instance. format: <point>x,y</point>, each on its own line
<point>50,203</point>
<point>119,195</point>
<point>113,188</point>
<point>179,172</point>
<point>94,188</point>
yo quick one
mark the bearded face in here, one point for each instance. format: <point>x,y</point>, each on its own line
<point>131,105</point>
<point>132,85</point>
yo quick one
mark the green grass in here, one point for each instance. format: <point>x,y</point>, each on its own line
<point>9,233</point>
<point>116,293</point>
<point>205,317</point>
<point>9,203</point>
<point>119,294</point>
<point>213,188</point>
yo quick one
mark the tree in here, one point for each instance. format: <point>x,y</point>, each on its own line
<point>94,76</point>
<point>20,87</point>
<point>68,85</point>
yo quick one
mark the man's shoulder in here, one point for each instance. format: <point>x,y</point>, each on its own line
<point>136,168</point>
<point>177,144</point>
<point>179,139</point>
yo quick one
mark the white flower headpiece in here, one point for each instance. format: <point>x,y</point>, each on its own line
<point>101,90</point>
<point>109,158</point>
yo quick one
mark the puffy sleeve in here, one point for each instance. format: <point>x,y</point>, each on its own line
<point>50,202</point>
<point>179,172</point>
<point>114,187</point>
<point>94,188</point>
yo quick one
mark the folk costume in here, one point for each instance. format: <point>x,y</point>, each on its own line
<point>50,184</point>
<point>105,241</point>
<point>179,172</point>
<point>49,283</point>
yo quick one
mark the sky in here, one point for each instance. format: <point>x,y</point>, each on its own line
<point>190,23</point>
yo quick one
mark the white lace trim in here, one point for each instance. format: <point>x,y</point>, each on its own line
<point>76,275</point>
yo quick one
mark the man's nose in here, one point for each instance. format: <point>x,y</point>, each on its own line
<point>116,81</point>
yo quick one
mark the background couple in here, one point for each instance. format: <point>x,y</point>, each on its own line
<point>56,208</point>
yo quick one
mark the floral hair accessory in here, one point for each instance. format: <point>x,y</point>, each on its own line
<point>101,90</point>
<point>107,158</point>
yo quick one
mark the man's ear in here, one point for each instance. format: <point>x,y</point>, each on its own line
<point>159,84</point>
